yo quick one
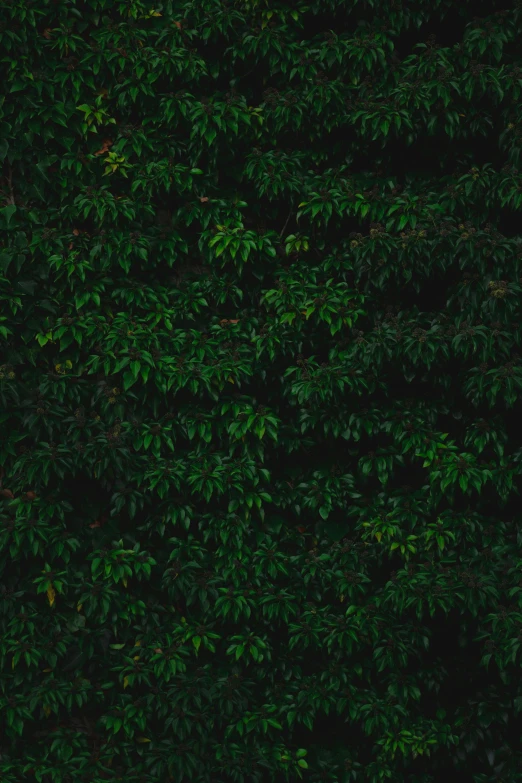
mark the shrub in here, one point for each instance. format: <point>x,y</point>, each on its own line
<point>260,381</point>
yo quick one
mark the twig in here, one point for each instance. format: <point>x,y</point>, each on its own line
<point>246,74</point>
<point>285,225</point>
<point>10,197</point>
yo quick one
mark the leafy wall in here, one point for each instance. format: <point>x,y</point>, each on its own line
<point>260,275</point>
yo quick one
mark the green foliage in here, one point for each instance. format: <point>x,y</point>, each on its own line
<point>260,389</point>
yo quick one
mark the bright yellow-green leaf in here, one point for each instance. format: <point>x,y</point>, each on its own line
<point>51,594</point>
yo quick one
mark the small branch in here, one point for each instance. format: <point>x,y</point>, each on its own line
<point>285,225</point>
<point>246,74</point>
<point>10,198</point>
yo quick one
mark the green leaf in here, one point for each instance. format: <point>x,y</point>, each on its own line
<point>6,214</point>
<point>129,380</point>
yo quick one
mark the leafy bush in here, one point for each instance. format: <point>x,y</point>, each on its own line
<point>260,383</point>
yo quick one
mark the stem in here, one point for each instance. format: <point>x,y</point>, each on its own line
<point>11,198</point>
<point>285,225</point>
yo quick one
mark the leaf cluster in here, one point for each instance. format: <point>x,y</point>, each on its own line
<point>260,391</point>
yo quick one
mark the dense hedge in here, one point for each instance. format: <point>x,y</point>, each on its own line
<point>260,274</point>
